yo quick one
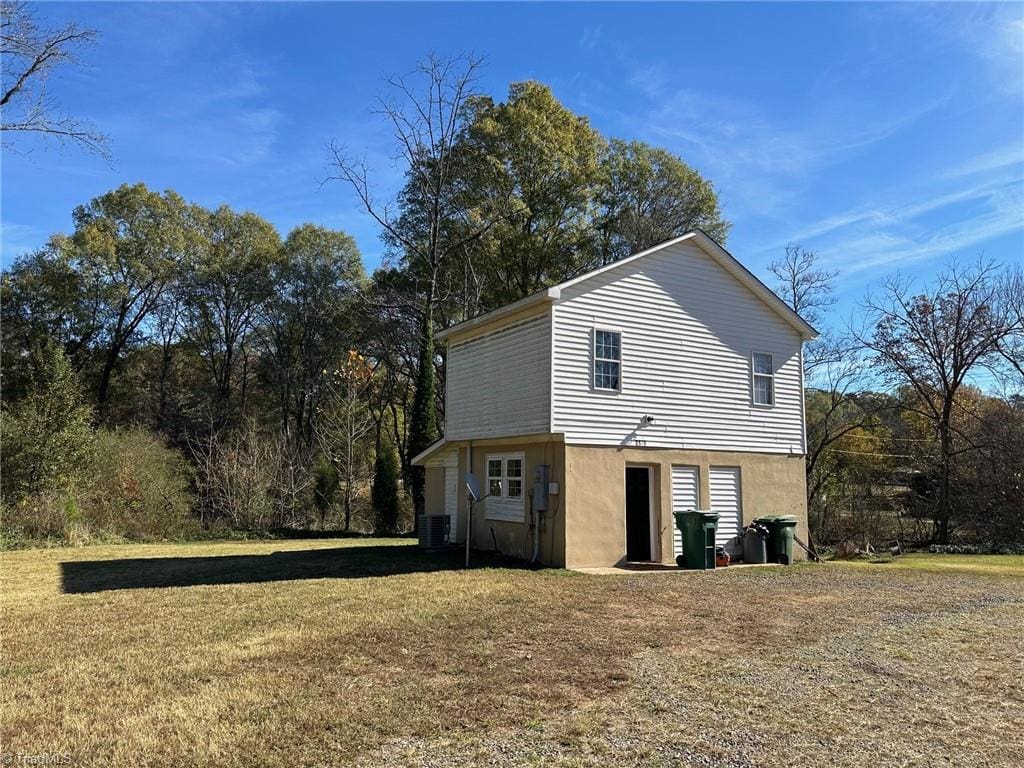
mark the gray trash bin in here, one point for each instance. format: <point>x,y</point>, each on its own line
<point>755,545</point>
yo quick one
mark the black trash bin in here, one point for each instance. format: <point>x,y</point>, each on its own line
<point>755,543</point>
<point>781,529</point>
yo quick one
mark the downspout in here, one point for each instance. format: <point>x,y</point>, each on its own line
<point>803,404</point>
<point>536,532</point>
<point>469,506</point>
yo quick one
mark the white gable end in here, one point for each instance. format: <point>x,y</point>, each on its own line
<point>498,382</point>
<point>688,330</point>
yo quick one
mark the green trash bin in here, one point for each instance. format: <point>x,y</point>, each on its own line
<point>781,530</point>
<point>698,529</point>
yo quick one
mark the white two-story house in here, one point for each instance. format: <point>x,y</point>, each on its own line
<point>589,412</point>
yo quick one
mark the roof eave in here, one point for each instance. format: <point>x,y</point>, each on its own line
<point>546,296</point>
<point>427,452</point>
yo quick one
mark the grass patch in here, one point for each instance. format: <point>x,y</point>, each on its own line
<point>368,651</point>
<point>989,565</point>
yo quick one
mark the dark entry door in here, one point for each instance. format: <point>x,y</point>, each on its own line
<point>638,513</point>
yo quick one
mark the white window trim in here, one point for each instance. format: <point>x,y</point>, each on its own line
<point>753,378</point>
<point>502,507</point>
<point>594,359</point>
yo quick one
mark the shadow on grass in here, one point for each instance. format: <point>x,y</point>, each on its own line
<point>335,563</point>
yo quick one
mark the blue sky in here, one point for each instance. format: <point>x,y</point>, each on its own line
<point>884,137</point>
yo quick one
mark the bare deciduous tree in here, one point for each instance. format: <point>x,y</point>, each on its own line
<point>803,285</point>
<point>30,55</point>
<point>431,221</point>
<point>344,427</point>
<point>1012,347</point>
<point>932,342</point>
<point>833,367</point>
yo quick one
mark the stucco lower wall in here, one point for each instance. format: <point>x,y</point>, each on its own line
<point>510,538</point>
<point>434,490</point>
<point>594,499</point>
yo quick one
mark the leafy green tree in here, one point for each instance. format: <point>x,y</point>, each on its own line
<point>307,319</point>
<point>424,429</point>
<point>385,488</point>
<point>538,162</point>
<point>46,434</point>
<point>224,297</point>
<point>128,244</point>
<point>43,300</point>
<point>647,195</point>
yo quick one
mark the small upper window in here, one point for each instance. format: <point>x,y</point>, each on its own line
<point>763,380</point>
<point>607,360</point>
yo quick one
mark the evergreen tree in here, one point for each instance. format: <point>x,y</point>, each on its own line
<point>385,488</point>
<point>46,434</point>
<point>423,428</point>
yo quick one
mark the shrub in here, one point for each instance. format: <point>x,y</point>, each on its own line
<point>324,491</point>
<point>253,481</point>
<point>138,488</point>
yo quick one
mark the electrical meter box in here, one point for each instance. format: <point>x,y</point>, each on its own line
<point>541,475</point>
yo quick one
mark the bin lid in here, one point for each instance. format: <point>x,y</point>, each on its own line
<point>695,517</point>
<point>686,518</point>
<point>767,518</point>
<point>786,520</point>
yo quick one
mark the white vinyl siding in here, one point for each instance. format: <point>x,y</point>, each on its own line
<point>498,383</point>
<point>689,328</point>
<point>724,485</point>
<point>685,496</point>
<point>505,486</point>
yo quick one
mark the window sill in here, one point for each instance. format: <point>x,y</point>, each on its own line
<point>505,511</point>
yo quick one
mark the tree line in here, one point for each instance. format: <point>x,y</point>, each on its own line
<point>915,413</point>
<point>268,382</point>
<point>170,369</point>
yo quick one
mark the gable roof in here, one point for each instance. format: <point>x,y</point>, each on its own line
<point>699,238</point>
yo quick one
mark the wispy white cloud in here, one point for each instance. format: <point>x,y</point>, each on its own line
<point>1010,155</point>
<point>768,166</point>
<point>992,33</point>
<point>18,239</point>
<point>591,37</point>
<point>757,160</point>
<point>944,223</point>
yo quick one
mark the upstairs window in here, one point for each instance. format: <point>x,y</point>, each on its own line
<point>607,360</point>
<point>763,378</point>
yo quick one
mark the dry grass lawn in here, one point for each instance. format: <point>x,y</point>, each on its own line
<point>369,652</point>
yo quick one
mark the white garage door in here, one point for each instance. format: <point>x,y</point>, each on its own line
<point>725,500</point>
<point>684,496</point>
